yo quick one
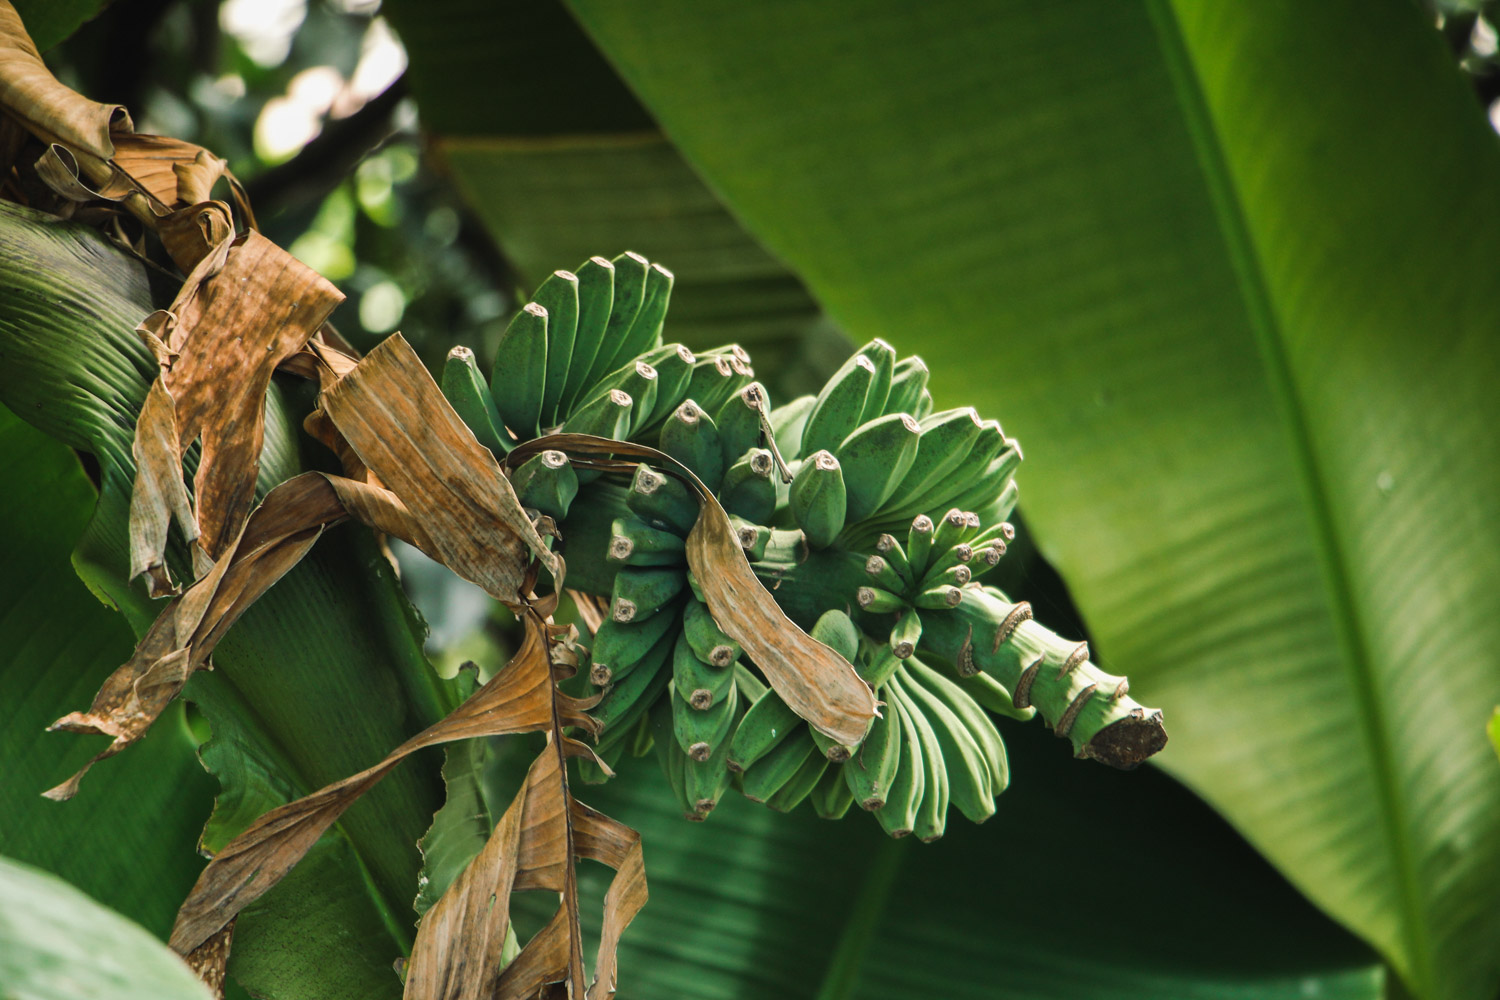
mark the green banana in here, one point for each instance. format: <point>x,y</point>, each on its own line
<point>987,692</point>
<point>700,731</point>
<point>904,793</point>
<point>818,499</point>
<point>836,412</point>
<point>690,436</point>
<point>970,785</point>
<point>891,551</point>
<point>878,601</point>
<point>973,718</point>
<point>662,500</point>
<point>951,529</point>
<point>558,294</point>
<point>645,330</point>
<point>945,491</point>
<point>801,784</point>
<point>700,684</point>
<point>752,689</point>
<point>606,416</point>
<point>596,293</point>
<point>620,647</point>
<point>837,631</point>
<point>716,378</point>
<point>997,510</point>
<point>932,814</point>
<point>630,290</point>
<point>640,593</point>
<point>989,485</point>
<point>546,482</point>
<point>787,423</point>
<point>710,643</point>
<point>938,598</point>
<point>519,379</point>
<point>674,369</point>
<point>832,749</point>
<point>637,379</point>
<point>883,357</point>
<point>633,542</point>
<point>870,773</point>
<point>747,489</point>
<point>591,773</point>
<point>883,575</point>
<point>777,766</point>
<point>875,457</point>
<point>706,781</point>
<point>739,422</point>
<point>753,538</point>
<point>766,724</point>
<point>906,634</point>
<point>908,386</point>
<point>919,544</point>
<point>876,665</point>
<point>945,443</point>
<point>671,756</point>
<point>832,798</point>
<point>643,677</point>
<point>470,398</point>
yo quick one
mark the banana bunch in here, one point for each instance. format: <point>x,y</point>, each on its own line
<point>876,539</point>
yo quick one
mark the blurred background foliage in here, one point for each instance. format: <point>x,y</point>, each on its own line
<point>435,216</point>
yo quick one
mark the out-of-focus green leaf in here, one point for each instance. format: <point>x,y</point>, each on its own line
<point>1085,895</point>
<point>58,944</point>
<point>1227,270</point>
<point>50,21</point>
<point>561,164</point>
<point>319,679</point>
<point>129,838</point>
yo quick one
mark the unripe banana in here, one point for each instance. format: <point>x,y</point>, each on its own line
<point>709,642</point>
<point>764,727</point>
<point>739,422</point>
<point>662,500</point>
<point>832,749</point>
<point>832,798</point>
<point>792,794</point>
<point>987,488</point>
<point>690,436</point>
<point>633,542</point>
<point>1001,507</point>
<point>596,292</point>
<point>753,538</point>
<point>945,491</point>
<point>776,767</point>
<point>752,689</point>
<point>520,376</point>
<point>674,365</point>
<point>621,647</point>
<point>747,489</point>
<point>906,634</point>
<point>945,443</point>
<point>706,781</point>
<point>908,386</point>
<point>716,377</point>
<point>700,731</point>
<point>970,786</point>
<point>787,423</point>
<point>605,416</point>
<point>870,773</point>
<point>642,680</point>
<point>558,294</point>
<point>546,482</point>
<point>878,601</point>
<point>671,756</point>
<point>836,412</point>
<point>837,631</point>
<point>919,544</point>
<point>891,551</point>
<point>882,575</point>
<point>938,598</point>
<point>818,499</point>
<point>932,815</point>
<point>700,684</point>
<point>876,665</point>
<point>641,593</point>
<point>952,528</point>
<point>883,357</point>
<point>903,798</point>
<point>973,718</point>
<point>874,458</point>
<point>470,398</point>
<point>645,330</point>
<point>630,290</point>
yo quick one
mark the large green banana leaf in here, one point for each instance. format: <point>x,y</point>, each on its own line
<point>319,679</point>
<point>58,944</point>
<point>1228,271</point>
<point>129,838</point>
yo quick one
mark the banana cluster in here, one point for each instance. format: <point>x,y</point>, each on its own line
<point>874,538</point>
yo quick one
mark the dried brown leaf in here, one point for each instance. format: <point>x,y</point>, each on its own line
<point>814,680</point>
<point>403,430</point>
<point>520,698</point>
<point>31,94</point>
<point>246,307</point>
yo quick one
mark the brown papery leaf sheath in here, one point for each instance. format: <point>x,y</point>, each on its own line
<point>814,680</point>
<point>44,106</point>
<point>244,309</point>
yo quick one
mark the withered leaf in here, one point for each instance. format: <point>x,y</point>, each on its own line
<point>32,95</point>
<point>814,680</point>
<point>396,419</point>
<point>245,307</point>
